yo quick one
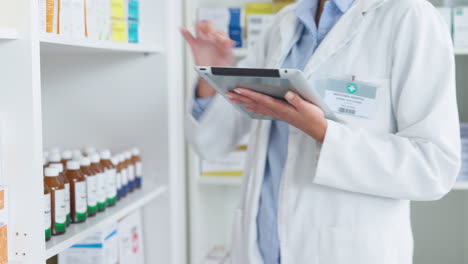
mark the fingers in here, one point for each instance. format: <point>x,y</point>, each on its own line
<point>278,106</point>
<point>240,99</point>
<point>295,100</point>
<point>187,35</point>
<point>205,30</point>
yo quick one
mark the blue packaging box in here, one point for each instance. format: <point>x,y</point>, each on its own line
<point>133,32</point>
<point>235,28</point>
<point>133,10</point>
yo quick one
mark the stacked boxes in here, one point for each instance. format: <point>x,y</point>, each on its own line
<point>120,242</point>
<point>96,20</point>
<point>99,248</point>
<point>133,21</point>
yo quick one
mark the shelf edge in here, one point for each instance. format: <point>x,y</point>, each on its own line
<point>56,249</point>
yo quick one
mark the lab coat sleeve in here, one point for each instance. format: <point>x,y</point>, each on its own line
<point>421,160</point>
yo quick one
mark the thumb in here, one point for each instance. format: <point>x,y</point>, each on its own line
<point>295,100</point>
<point>187,36</point>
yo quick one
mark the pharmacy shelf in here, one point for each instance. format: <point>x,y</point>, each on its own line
<point>77,232</point>
<point>56,43</point>
<point>240,53</point>
<point>220,180</point>
<point>8,33</point>
<point>461,185</point>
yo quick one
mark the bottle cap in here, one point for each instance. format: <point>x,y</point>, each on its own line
<point>73,165</point>
<point>67,155</point>
<point>54,157</point>
<point>95,158</point>
<point>136,151</point>
<point>105,154</point>
<point>77,155</point>
<point>55,150</point>
<point>128,155</point>
<point>51,172</point>
<point>89,150</point>
<point>58,166</point>
<point>44,159</point>
<point>121,157</point>
<point>115,160</point>
<point>85,161</point>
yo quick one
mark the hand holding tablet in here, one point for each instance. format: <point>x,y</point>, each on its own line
<point>272,82</point>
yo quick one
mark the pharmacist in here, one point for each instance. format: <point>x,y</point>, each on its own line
<point>320,191</point>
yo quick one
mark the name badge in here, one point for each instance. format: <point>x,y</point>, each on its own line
<point>351,97</point>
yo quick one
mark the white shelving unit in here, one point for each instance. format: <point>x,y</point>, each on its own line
<point>57,91</point>
<point>8,33</point>
<point>55,43</point>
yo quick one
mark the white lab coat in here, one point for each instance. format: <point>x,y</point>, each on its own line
<point>348,200</point>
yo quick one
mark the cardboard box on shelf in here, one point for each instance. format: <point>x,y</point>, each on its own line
<point>3,225</point>
<point>119,30</point>
<point>256,24</point>
<point>130,238</point>
<point>228,20</point>
<point>99,248</point>
<point>133,32</point>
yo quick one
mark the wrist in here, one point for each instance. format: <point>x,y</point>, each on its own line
<point>204,89</point>
<point>318,130</point>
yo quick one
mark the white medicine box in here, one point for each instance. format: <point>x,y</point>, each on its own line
<point>130,238</point>
<point>99,248</point>
<point>460,26</point>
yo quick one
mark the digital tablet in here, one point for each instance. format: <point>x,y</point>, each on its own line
<point>272,82</point>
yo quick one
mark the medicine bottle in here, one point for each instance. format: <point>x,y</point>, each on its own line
<point>101,181</point>
<point>110,171</point>
<point>91,185</point>
<point>57,200</point>
<point>78,197</point>
<point>89,151</point>
<point>136,160</point>
<point>66,156</point>
<point>54,157</point>
<point>77,155</point>
<point>123,175</point>
<point>66,183</point>
<point>47,213</point>
<point>118,176</point>
<point>130,171</point>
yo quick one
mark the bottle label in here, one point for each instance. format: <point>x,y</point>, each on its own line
<point>131,173</point>
<point>47,215</point>
<point>60,211</point>
<point>81,207</point>
<point>139,169</point>
<point>118,179</point>
<point>91,183</point>
<point>67,197</point>
<point>124,175</point>
<point>101,194</point>
<point>111,183</point>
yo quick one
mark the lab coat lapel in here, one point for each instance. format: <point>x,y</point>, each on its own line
<point>341,34</point>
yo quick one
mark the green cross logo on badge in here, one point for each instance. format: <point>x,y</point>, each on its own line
<point>352,88</point>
